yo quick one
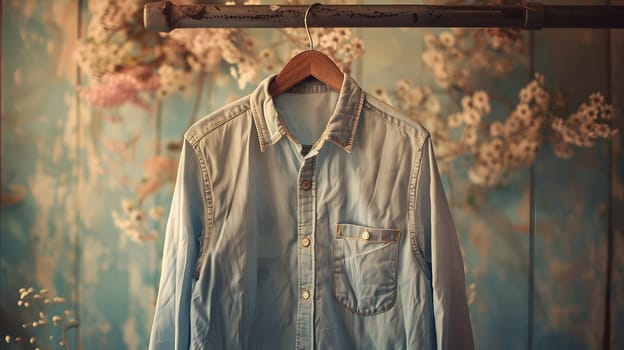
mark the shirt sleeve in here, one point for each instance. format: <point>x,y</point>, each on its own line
<point>438,241</point>
<point>171,324</point>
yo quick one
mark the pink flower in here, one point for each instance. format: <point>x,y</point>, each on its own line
<point>119,88</point>
<point>161,167</point>
<point>158,171</point>
<point>148,187</point>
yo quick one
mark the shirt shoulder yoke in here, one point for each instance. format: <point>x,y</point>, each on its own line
<point>216,119</point>
<point>395,117</point>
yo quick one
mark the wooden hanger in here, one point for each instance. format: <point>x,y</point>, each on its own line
<point>307,64</point>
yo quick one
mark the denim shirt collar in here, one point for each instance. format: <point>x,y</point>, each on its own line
<point>340,128</point>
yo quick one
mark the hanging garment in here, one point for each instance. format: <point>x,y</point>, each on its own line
<point>279,239</point>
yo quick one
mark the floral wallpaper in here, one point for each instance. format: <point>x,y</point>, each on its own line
<point>526,127</point>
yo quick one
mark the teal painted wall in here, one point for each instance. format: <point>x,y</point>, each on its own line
<point>536,248</point>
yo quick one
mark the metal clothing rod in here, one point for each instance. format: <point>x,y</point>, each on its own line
<point>164,16</point>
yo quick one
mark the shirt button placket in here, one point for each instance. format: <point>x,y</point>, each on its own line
<point>306,202</point>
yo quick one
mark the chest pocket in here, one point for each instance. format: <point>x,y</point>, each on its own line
<point>365,268</point>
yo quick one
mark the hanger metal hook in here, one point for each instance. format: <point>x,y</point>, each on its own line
<point>305,24</point>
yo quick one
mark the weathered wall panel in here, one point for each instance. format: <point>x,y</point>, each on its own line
<point>76,165</point>
<point>616,316</point>
<point>571,203</point>
<point>39,223</point>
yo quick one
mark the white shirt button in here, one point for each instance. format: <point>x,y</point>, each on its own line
<point>305,294</point>
<point>305,242</point>
<point>365,235</point>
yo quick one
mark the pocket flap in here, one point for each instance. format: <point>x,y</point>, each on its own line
<point>366,233</point>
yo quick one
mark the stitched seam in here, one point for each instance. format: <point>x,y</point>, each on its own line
<point>367,240</point>
<point>414,186</point>
<point>218,125</point>
<point>260,126</point>
<point>390,119</point>
<point>354,122</point>
<point>208,211</point>
<point>393,295</point>
<point>351,231</point>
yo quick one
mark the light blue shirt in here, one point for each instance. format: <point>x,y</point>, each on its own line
<point>315,220</point>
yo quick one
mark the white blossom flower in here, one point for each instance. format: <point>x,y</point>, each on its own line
<point>156,213</point>
<point>472,117</point>
<point>136,215</point>
<point>466,103</point>
<point>56,319</point>
<point>523,112</point>
<point>455,120</point>
<point>607,111</point>
<point>496,129</point>
<point>563,150</point>
<point>266,54</point>
<point>431,41</point>
<point>119,222</point>
<point>542,98</point>
<point>134,234</point>
<point>402,87</point>
<point>470,136</point>
<point>454,54</point>
<point>417,96</point>
<point>481,102</point>
<point>602,130</point>
<point>591,112</point>
<point>247,74</point>
<point>447,39</point>
<point>525,95</point>
<point>432,104</point>
<point>347,50</point>
<point>127,205</point>
<point>343,33</point>
<point>358,46</point>
<point>539,78</point>
<point>442,75</point>
<point>511,126</point>
<point>478,174</point>
<point>334,39</point>
<point>324,41</point>
<point>382,95</point>
<point>533,86</point>
<point>432,57</point>
<point>172,80</point>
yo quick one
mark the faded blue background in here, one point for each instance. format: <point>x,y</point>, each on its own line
<point>551,294</point>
